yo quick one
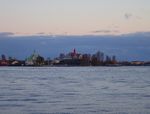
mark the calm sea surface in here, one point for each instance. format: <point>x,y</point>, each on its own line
<point>74,90</point>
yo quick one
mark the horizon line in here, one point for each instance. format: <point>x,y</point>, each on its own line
<point>13,34</point>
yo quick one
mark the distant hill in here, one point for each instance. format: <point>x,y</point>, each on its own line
<point>135,46</point>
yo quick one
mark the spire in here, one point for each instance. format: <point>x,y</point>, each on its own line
<point>74,51</point>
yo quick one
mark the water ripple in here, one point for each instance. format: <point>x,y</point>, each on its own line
<point>75,90</point>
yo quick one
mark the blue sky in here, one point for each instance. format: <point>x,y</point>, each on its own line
<point>74,17</point>
<point>131,47</point>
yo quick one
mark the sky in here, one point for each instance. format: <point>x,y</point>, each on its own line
<point>74,17</point>
<point>131,47</point>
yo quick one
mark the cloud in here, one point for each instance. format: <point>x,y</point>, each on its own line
<point>41,33</point>
<point>143,34</point>
<point>101,31</point>
<point>128,16</point>
<point>105,31</point>
<point>6,34</point>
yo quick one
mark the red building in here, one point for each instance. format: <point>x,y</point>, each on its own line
<point>4,63</point>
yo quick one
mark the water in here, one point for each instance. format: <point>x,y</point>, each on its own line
<point>74,90</point>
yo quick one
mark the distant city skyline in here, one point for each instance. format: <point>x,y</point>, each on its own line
<point>74,17</point>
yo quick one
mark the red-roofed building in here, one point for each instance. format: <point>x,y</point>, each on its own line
<point>4,62</point>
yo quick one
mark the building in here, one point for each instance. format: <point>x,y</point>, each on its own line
<point>34,60</point>
<point>4,61</point>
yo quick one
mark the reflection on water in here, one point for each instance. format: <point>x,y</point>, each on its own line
<point>74,90</point>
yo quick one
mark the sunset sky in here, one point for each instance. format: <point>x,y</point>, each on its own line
<point>74,17</point>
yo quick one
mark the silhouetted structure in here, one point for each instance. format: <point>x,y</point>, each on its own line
<point>3,61</point>
<point>70,59</point>
<point>34,60</point>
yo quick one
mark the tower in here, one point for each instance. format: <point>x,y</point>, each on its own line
<point>74,52</point>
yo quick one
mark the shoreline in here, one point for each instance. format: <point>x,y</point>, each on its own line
<point>82,66</point>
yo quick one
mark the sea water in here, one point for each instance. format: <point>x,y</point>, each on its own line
<point>74,90</point>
